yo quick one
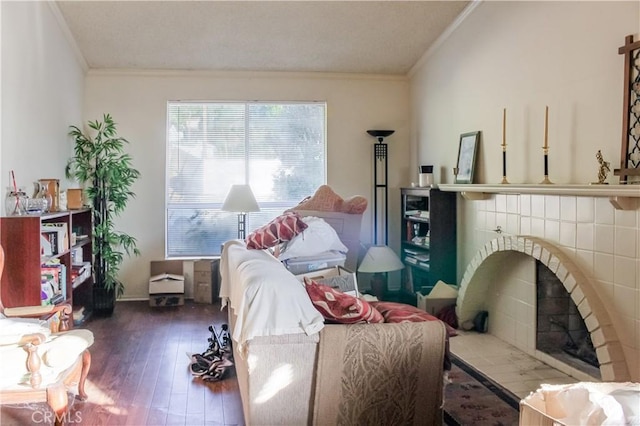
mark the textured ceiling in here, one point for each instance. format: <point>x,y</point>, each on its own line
<point>380,37</point>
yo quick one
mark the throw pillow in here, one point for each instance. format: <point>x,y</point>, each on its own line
<point>319,237</point>
<point>339,307</point>
<point>401,312</point>
<point>282,228</point>
<point>325,199</point>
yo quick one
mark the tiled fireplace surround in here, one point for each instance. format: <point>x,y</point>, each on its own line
<point>592,248</point>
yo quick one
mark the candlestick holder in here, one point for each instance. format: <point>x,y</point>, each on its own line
<point>504,165</point>
<point>546,180</point>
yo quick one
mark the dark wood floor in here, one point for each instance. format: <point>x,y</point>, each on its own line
<point>139,373</point>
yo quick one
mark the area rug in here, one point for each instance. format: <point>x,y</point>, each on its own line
<point>473,399</point>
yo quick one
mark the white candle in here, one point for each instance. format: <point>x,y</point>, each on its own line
<point>504,128</point>
<point>546,128</point>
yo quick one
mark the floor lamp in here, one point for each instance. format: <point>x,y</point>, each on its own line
<point>240,199</point>
<point>380,259</point>
<point>380,192</point>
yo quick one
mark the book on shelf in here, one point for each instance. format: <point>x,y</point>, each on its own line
<point>56,234</point>
<point>411,259</point>
<point>79,273</point>
<point>54,275</point>
<point>57,299</point>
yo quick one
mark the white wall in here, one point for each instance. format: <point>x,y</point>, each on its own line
<point>137,101</point>
<point>42,90</point>
<point>523,56</point>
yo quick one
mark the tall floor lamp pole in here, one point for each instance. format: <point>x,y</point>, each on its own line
<point>380,207</point>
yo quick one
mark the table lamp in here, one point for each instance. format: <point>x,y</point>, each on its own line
<point>240,199</point>
<point>379,260</point>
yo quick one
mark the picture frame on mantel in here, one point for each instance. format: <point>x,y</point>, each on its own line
<point>467,156</point>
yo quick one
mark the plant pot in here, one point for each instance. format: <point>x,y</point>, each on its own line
<point>104,301</point>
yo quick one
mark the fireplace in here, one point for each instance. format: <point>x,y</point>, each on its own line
<point>580,306</point>
<point>560,330</point>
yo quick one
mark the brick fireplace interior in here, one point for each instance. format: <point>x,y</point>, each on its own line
<point>560,329</point>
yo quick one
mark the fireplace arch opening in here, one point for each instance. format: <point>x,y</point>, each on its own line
<point>487,269</point>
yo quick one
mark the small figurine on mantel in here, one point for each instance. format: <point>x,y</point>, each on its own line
<point>603,169</point>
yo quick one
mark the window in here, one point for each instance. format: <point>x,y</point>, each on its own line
<point>277,148</point>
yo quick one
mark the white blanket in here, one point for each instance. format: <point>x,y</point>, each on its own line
<point>267,299</point>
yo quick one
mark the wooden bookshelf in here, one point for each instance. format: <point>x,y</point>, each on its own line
<point>21,239</point>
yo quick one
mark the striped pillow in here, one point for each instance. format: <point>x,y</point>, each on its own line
<point>282,228</point>
<point>339,307</point>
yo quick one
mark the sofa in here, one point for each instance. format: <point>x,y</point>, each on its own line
<point>295,369</point>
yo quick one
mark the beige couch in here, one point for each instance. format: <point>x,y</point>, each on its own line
<point>278,365</point>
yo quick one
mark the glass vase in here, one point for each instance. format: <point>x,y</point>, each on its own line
<point>15,202</point>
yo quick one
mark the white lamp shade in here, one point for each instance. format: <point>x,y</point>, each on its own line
<point>240,199</point>
<point>380,259</point>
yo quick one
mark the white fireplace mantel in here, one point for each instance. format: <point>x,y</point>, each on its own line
<point>622,197</point>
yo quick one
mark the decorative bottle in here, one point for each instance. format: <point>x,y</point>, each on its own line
<point>15,202</point>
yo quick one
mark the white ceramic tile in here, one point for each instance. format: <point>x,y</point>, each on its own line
<point>585,260</point>
<point>625,241</point>
<point>525,205</point>
<point>501,202</point>
<point>568,208</point>
<point>481,219</point>
<point>585,209</point>
<point>603,267</point>
<point>626,218</point>
<point>624,272</point>
<point>584,236</point>
<point>513,224</point>
<point>537,206</point>
<point>491,221</point>
<point>552,230</point>
<point>490,204</point>
<point>603,238</point>
<point>512,204</point>
<point>568,234</point>
<point>537,227</point>
<point>604,211</point>
<point>625,299</point>
<point>525,225</point>
<point>552,207</point>
<point>501,220</point>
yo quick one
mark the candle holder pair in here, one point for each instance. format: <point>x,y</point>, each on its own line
<point>545,148</point>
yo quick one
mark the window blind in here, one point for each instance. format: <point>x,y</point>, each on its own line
<point>279,149</point>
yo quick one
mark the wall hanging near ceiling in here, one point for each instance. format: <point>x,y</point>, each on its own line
<point>629,170</point>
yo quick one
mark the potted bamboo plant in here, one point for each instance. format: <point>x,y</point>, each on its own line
<point>101,164</point>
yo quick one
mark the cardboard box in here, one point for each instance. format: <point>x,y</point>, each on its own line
<point>584,403</point>
<point>336,277</point>
<point>166,300</point>
<point>441,296</point>
<point>166,276</point>
<point>202,281</point>
<point>166,283</point>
